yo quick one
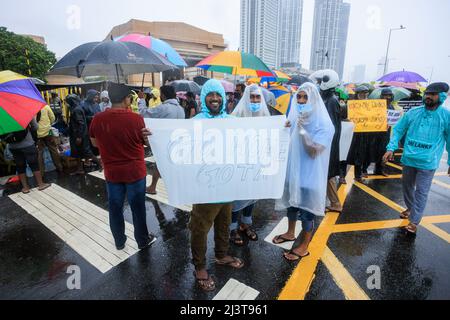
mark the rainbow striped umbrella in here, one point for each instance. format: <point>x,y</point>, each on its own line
<point>236,63</point>
<point>20,101</point>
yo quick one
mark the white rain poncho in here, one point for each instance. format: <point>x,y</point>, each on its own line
<point>243,109</point>
<point>309,155</point>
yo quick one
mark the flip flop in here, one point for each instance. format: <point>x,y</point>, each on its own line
<point>205,284</point>
<point>283,240</point>
<point>151,193</point>
<point>231,263</point>
<point>295,254</point>
<point>26,192</point>
<point>45,187</point>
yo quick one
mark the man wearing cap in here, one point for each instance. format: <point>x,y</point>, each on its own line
<point>426,130</point>
<point>122,151</point>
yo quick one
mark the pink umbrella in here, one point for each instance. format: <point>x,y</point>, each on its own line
<point>228,86</point>
<point>412,85</point>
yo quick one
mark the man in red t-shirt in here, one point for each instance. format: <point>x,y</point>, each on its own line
<point>117,133</point>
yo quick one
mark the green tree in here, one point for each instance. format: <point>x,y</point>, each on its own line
<point>14,57</point>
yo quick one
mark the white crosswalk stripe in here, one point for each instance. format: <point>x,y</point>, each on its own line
<point>79,223</point>
<point>235,290</point>
<point>161,191</point>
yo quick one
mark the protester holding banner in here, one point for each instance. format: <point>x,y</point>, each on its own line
<point>359,151</point>
<point>204,216</point>
<point>312,133</point>
<point>426,130</point>
<point>252,104</point>
<point>379,140</point>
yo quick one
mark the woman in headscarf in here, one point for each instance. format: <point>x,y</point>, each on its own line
<point>305,191</point>
<point>105,101</point>
<point>252,104</point>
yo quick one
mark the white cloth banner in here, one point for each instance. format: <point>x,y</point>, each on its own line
<point>346,139</point>
<point>394,117</point>
<point>221,160</point>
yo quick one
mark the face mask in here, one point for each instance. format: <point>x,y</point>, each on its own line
<point>304,109</point>
<point>254,107</point>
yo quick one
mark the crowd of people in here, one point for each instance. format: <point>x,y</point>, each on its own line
<point>96,128</point>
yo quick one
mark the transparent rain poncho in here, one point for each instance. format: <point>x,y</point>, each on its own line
<point>243,109</point>
<point>309,154</point>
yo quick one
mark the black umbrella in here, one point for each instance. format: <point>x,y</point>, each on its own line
<point>200,80</point>
<point>186,86</point>
<point>110,59</point>
<point>298,80</point>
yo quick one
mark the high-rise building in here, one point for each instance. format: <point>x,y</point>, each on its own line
<point>359,74</point>
<point>290,28</point>
<point>260,31</point>
<point>331,20</point>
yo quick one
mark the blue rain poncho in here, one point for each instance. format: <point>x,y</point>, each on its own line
<point>309,155</point>
<point>426,132</point>
<point>209,87</point>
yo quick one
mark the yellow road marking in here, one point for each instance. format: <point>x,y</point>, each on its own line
<point>300,281</point>
<point>436,219</point>
<point>380,197</point>
<point>394,176</point>
<point>343,279</point>
<point>393,165</point>
<point>437,231</point>
<point>366,226</point>
<point>441,184</point>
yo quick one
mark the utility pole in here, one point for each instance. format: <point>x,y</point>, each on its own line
<point>388,46</point>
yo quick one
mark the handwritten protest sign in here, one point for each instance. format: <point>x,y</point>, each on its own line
<point>394,117</point>
<point>221,160</point>
<point>368,115</point>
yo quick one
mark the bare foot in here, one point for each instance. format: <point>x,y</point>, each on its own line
<point>26,190</point>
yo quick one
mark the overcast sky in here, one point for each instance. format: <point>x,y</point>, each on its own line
<point>423,47</point>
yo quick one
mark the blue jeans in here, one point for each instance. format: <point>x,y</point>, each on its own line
<point>135,193</point>
<point>246,217</point>
<point>416,186</point>
<point>307,218</point>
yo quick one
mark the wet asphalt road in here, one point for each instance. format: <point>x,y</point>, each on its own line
<point>33,260</point>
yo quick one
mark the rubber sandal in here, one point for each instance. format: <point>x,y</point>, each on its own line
<point>26,192</point>
<point>327,210</point>
<point>46,186</point>
<point>231,263</point>
<point>250,233</point>
<point>411,229</point>
<point>283,240</point>
<point>151,193</point>
<point>236,239</point>
<point>205,284</point>
<point>405,214</point>
<point>295,254</point>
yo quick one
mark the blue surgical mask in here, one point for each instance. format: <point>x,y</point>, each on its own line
<point>254,107</point>
<point>304,108</point>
